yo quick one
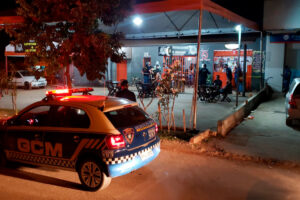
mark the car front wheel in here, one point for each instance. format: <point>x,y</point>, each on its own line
<point>289,122</point>
<point>92,176</point>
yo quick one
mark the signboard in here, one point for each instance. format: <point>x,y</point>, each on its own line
<point>230,57</point>
<point>30,47</point>
<point>27,47</point>
<point>283,38</point>
<point>187,50</point>
<point>256,61</point>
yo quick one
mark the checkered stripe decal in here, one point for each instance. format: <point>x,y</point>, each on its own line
<point>18,156</point>
<point>122,159</point>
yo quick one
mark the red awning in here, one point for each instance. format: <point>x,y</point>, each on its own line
<point>179,5</point>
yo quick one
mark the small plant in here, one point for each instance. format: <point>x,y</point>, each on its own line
<point>166,92</point>
<point>6,84</point>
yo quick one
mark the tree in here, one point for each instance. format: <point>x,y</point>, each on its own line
<point>66,31</point>
<point>166,92</point>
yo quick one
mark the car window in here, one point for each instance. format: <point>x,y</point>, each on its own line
<point>297,91</point>
<point>129,116</point>
<point>67,116</point>
<point>37,116</point>
<point>17,75</point>
<point>26,73</point>
<point>292,86</point>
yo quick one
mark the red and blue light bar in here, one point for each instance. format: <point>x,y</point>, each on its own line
<point>68,92</point>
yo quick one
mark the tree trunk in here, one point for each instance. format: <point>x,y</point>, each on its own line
<point>68,77</point>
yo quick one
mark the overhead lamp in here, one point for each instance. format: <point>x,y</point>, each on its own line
<point>137,21</point>
<point>231,46</point>
<point>238,28</point>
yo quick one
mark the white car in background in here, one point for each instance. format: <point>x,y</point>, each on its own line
<point>292,102</point>
<point>27,80</point>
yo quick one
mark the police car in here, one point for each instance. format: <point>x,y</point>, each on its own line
<point>100,137</point>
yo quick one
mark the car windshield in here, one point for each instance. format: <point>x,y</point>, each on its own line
<point>297,91</point>
<point>26,73</point>
<point>126,117</point>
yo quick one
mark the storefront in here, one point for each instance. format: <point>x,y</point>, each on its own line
<point>214,55</point>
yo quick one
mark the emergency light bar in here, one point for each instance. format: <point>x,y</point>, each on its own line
<point>68,92</point>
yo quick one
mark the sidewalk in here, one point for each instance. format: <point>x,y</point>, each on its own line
<point>266,135</point>
<point>208,114</point>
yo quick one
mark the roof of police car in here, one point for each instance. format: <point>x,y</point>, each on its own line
<point>107,102</point>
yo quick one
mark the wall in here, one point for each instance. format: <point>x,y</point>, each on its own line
<point>274,64</point>
<point>292,59</point>
<point>281,14</point>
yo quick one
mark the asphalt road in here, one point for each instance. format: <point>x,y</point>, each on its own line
<point>173,175</point>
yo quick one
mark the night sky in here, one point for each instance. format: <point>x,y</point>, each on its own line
<point>251,9</point>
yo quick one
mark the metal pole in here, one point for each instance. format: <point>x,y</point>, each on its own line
<point>244,69</point>
<point>238,65</point>
<point>261,61</point>
<point>194,107</point>
<point>6,68</point>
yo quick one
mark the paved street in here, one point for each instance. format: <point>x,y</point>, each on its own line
<point>173,175</point>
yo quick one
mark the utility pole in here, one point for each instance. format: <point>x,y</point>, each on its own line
<point>261,61</point>
<point>239,29</point>
<point>244,69</point>
<point>194,107</point>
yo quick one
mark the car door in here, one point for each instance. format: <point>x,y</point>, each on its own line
<point>18,79</point>
<point>69,135</point>
<point>24,135</point>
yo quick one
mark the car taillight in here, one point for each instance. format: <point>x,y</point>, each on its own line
<point>115,141</point>
<point>156,128</point>
<point>292,102</point>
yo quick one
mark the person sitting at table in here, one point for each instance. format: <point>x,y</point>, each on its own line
<point>125,92</point>
<point>218,82</point>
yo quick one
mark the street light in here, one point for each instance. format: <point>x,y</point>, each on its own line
<point>137,21</point>
<point>238,28</point>
<point>231,46</point>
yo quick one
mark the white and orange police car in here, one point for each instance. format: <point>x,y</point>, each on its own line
<point>99,137</point>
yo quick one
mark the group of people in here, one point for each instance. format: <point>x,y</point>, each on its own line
<point>151,74</point>
<point>204,72</point>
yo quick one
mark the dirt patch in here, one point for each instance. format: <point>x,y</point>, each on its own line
<point>211,148</point>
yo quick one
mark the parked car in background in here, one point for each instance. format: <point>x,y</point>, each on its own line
<point>292,102</point>
<point>25,79</point>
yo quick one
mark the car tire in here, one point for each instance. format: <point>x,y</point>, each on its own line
<point>92,176</point>
<point>27,86</point>
<point>289,122</point>
<point>3,161</point>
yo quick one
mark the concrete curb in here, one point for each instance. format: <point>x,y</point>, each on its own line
<point>228,123</point>
<point>202,136</point>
